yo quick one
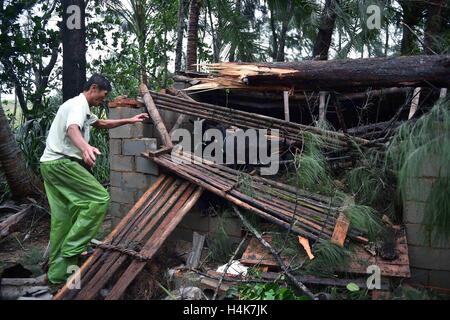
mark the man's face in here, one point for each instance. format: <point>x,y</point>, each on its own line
<point>98,95</point>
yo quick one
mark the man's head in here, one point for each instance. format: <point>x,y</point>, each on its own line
<point>96,89</point>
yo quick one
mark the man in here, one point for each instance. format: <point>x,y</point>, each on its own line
<point>78,202</point>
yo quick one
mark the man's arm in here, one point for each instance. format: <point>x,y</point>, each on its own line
<point>109,124</point>
<point>88,152</point>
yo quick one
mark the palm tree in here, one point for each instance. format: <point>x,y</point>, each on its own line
<point>18,176</point>
<point>192,36</point>
<point>136,14</point>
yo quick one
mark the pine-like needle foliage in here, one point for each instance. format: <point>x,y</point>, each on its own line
<point>420,146</point>
<point>311,167</point>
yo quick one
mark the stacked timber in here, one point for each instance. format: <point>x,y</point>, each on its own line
<point>306,214</point>
<point>134,241</point>
<point>290,131</point>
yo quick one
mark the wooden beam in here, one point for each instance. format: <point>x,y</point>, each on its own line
<point>156,117</point>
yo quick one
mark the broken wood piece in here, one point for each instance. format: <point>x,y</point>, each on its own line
<point>156,153</point>
<point>7,225</point>
<point>155,116</point>
<point>123,101</point>
<point>193,259</point>
<point>340,230</point>
<point>414,102</point>
<point>305,244</point>
<point>421,70</point>
<point>286,105</point>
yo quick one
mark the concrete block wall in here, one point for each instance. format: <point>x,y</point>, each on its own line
<point>207,225</point>
<point>429,261</point>
<point>130,173</point>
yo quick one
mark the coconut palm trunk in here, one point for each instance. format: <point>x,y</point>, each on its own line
<point>192,37</point>
<point>18,176</point>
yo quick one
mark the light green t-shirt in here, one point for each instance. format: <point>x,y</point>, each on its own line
<point>73,111</point>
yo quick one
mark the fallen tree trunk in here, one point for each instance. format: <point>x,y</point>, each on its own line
<point>409,71</point>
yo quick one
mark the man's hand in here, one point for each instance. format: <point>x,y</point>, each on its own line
<point>89,155</point>
<point>138,118</point>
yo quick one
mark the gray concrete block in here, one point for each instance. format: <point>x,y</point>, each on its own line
<point>419,276</point>
<point>135,130</point>
<point>137,180</point>
<point>429,258</point>
<point>231,225</point>
<point>115,146</point>
<point>122,196</point>
<point>413,211</point>
<point>440,279</point>
<point>418,189</point>
<point>415,235</point>
<point>115,178</point>
<point>147,166</point>
<point>195,221</point>
<point>124,112</point>
<point>122,163</point>
<point>134,147</point>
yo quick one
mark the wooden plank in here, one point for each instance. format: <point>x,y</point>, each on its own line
<point>197,246</point>
<point>156,240</point>
<point>340,230</point>
<point>156,117</point>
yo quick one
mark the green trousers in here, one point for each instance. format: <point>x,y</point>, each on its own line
<point>78,203</point>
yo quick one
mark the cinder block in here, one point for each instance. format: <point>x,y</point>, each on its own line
<point>181,233</point>
<point>115,146</point>
<point>115,178</point>
<point>124,112</point>
<point>134,147</point>
<point>415,235</point>
<point>418,189</point>
<point>137,180</point>
<point>440,279</point>
<point>429,258</point>
<point>147,166</point>
<point>128,131</point>
<point>195,221</point>
<point>413,212</point>
<point>122,196</point>
<point>231,225</point>
<point>122,163</point>
<point>419,276</point>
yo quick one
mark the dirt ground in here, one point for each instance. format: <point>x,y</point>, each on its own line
<point>27,245</point>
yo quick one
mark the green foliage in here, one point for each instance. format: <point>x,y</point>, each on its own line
<point>220,245</point>
<point>365,219</point>
<point>311,167</point>
<point>371,182</point>
<point>328,256</point>
<point>267,291</point>
<point>245,184</point>
<point>416,146</point>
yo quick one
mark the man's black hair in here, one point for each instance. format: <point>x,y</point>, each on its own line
<point>101,81</point>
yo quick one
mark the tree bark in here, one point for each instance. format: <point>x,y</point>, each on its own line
<point>180,35</point>
<point>433,25</point>
<point>343,74</point>
<point>192,38</point>
<point>17,174</point>
<point>412,14</point>
<point>324,36</point>
<point>74,48</point>
<point>284,29</point>
<point>232,56</point>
